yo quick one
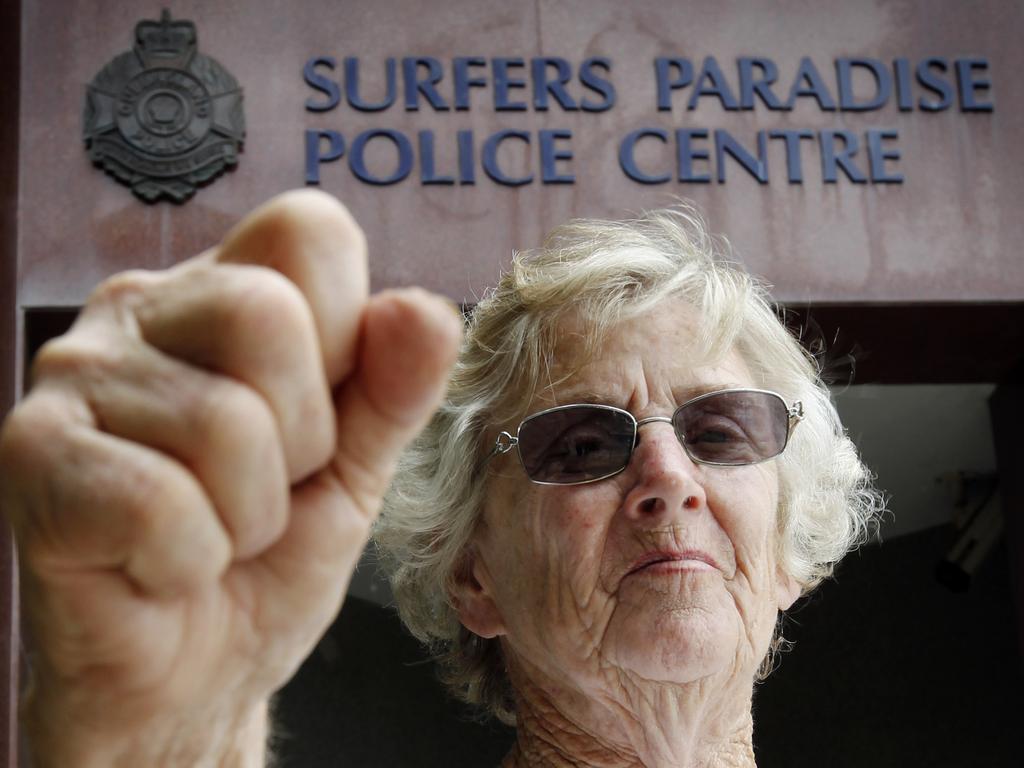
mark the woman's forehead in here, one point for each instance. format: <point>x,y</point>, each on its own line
<point>662,354</point>
<point>580,341</point>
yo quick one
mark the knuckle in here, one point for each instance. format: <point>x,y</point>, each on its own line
<point>273,293</point>
<point>150,491</point>
<point>122,288</point>
<point>232,422</point>
<point>78,356</point>
<point>17,440</point>
<point>54,358</point>
<point>35,425</point>
<point>267,308</point>
<point>230,417</point>
<point>34,440</point>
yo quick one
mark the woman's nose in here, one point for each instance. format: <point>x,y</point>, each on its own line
<point>668,482</point>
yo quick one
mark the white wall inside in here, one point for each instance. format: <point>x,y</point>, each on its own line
<point>911,436</point>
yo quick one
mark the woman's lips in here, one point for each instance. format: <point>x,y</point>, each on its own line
<point>662,561</point>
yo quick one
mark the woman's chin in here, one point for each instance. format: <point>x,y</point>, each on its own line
<point>680,645</point>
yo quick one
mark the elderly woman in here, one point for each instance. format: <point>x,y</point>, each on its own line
<point>634,470</point>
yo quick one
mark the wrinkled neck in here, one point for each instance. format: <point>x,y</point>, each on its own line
<point>702,725</point>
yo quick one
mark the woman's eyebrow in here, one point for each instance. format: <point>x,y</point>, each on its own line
<point>585,396</point>
<point>688,393</point>
<point>681,394</point>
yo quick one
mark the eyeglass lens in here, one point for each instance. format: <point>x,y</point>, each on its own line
<point>733,427</point>
<point>578,443</point>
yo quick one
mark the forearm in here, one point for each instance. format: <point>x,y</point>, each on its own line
<point>197,740</point>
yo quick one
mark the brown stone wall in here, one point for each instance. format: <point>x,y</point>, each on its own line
<point>949,232</point>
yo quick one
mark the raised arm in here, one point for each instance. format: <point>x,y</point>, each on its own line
<point>192,479</point>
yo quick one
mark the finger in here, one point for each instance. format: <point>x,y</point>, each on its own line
<point>224,432</point>
<point>99,502</point>
<point>312,239</point>
<point>253,325</point>
<point>409,341</point>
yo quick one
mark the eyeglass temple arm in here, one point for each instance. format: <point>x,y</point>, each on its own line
<point>796,411</point>
<point>504,443</point>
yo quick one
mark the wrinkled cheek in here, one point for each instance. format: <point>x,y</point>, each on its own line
<point>561,612</point>
<point>579,613</point>
<point>756,614</point>
<point>753,587</point>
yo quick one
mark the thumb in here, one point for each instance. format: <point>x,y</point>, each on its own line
<point>408,343</point>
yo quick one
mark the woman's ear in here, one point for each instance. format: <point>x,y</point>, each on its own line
<point>787,589</point>
<point>473,596</point>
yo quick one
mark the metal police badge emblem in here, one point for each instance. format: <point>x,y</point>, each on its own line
<point>163,118</point>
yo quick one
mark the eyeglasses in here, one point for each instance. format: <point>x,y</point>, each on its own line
<point>584,443</point>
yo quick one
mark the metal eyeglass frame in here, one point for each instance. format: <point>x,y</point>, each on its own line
<point>506,441</point>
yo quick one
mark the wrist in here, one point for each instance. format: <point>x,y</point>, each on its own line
<point>199,738</point>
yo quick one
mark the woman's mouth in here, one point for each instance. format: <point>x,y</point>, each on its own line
<point>663,562</point>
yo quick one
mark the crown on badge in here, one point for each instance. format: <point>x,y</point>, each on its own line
<point>164,37</point>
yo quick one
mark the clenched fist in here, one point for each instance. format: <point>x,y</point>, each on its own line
<point>192,479</point>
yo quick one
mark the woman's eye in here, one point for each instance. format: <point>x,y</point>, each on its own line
<point>710,436</point>
<point>582,445</point>
<point>716,433</point>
